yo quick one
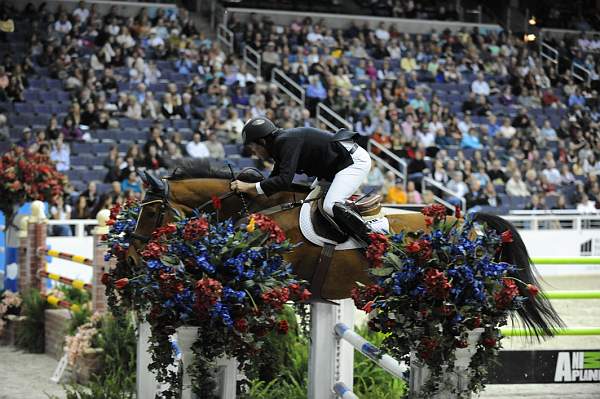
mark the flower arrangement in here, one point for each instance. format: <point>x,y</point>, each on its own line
<point>10,304</point>
<point>27,177</point>
<point>230,282</point>
<point>432,288</point>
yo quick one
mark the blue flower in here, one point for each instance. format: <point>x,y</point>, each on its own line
<point>398,238</point>
<point>204,264</point>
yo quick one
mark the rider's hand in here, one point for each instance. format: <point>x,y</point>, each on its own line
<point>243,187</point>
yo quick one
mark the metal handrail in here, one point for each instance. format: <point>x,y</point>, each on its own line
<point>322,107</point>
<point>575,68</point>
<point>403,173</point>
<point>429,181</point>
<point>553,56</point>
<point>300,99</point>
<point>225,36</point>
<point>249,62</point>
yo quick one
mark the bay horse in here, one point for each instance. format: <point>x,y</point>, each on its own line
<point>196,183</point>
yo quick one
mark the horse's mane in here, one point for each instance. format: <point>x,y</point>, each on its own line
<point>205,168</point>
<point>199,168</point>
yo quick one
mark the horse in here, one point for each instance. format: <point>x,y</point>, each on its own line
<point>196,183</point>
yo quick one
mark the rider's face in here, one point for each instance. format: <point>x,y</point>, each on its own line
<point>260,151</point>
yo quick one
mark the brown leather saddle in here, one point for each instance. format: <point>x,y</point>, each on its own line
<point>326,227</point>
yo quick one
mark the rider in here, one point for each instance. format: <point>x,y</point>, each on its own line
<point>317,153</point>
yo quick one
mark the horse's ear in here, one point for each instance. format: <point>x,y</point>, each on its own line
<point>142,176</point>
<point>155,183</point>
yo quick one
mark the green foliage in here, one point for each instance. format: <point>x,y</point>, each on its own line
<point>78,317</point>
<point>370,380</point>
<point>74,295</point>
<point>30,334</point>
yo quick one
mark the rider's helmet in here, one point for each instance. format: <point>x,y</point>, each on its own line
<point>257,128</point>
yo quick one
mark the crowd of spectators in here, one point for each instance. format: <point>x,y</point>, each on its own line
<point>480,114</point>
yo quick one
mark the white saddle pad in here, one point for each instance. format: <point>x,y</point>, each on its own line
<point>379,224</point>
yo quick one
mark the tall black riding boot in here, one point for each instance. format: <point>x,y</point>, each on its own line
<point>352,223</point>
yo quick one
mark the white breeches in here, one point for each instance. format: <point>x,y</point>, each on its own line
<point>347,181</point>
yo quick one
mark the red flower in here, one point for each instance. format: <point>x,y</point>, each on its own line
<point>377,249</point>
<point>195,228</point>
<point>413,248</point>
<point>282,327</point>
<point>368,307</point>
<point>461,343</point>
<point>436,211</point>
<point>533,290</point>
<point>105,279</point>
<point>267,225</point>
<point>427,346</point>
<point>305,295</point>
<point>208,292</point>
<point>428,221</point>
<point>436,284</point>
<point>489,342</point>
<point>153,250</point>
<point>276,297</point>
<point>114,211</point>
<point>241,325</point>
<point>121,283</point>
<point>506,295</point>
<point>216,201</point>
<point>164,230</point>
<point>363,295</point>
<point>457,212</point>
<point>507,237</point>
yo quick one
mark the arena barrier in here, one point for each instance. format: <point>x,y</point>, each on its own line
<point>584,260</point>
<point>33,252</point>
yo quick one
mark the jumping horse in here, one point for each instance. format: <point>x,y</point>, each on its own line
<point>196,183</point>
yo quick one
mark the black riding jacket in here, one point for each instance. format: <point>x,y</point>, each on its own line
<point>307,150</point>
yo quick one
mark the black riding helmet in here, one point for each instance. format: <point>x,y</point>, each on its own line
<point>257,128</point>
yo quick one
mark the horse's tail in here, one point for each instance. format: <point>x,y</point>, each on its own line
<point>537,314</point>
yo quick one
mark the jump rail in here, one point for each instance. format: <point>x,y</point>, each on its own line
<point>343,391</point>
<point>65,280</point>
<point>55,301</point>
<point>581,294</point>
<point>567,261</point>
<point>63,255</point>
<point>579,331</point>
<point>386,362</point>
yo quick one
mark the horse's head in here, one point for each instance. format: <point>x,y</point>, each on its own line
<point>155,211</point>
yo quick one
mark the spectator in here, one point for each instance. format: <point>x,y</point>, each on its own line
<point>470,139</point>
<point>536,203</point>
<point>156,139</point>
<point>63,25</point>
<point>548,133</point>
<point>507,131</point>
<point>196,148</point>
<point>457,185</point>
<point>132,183</point>
<point>81,210</point>
<point>412,195</point>
<point>493,198</point>
<point>480,86</point>
<point>394,193</point>
<point>496,174</point>
<point>476,195</point>
<point>153,160</point>
<point>516,187</point>
<point>61,155</point>
<point>552,174</point>
<point>70,131</point>
<point>585,205</point>
<point>215,147</point>
<point>60,211</point>
<point>375,176</point>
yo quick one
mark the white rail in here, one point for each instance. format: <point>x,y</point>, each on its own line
<point>277,76</point>
<point>555,222</point>
<point>550,53</point>
<point>248,54</point>
<point>323,109</point>
<point>226,37</point>
<point>580,72</point>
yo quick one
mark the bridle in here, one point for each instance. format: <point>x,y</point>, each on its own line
<point>165,205</point>
<point>163,199</point>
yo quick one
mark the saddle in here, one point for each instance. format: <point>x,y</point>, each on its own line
<point>326,227</point>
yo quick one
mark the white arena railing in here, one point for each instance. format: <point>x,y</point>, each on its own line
<point>80,225</point>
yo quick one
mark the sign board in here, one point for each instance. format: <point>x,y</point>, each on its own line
<point>547,366</point>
